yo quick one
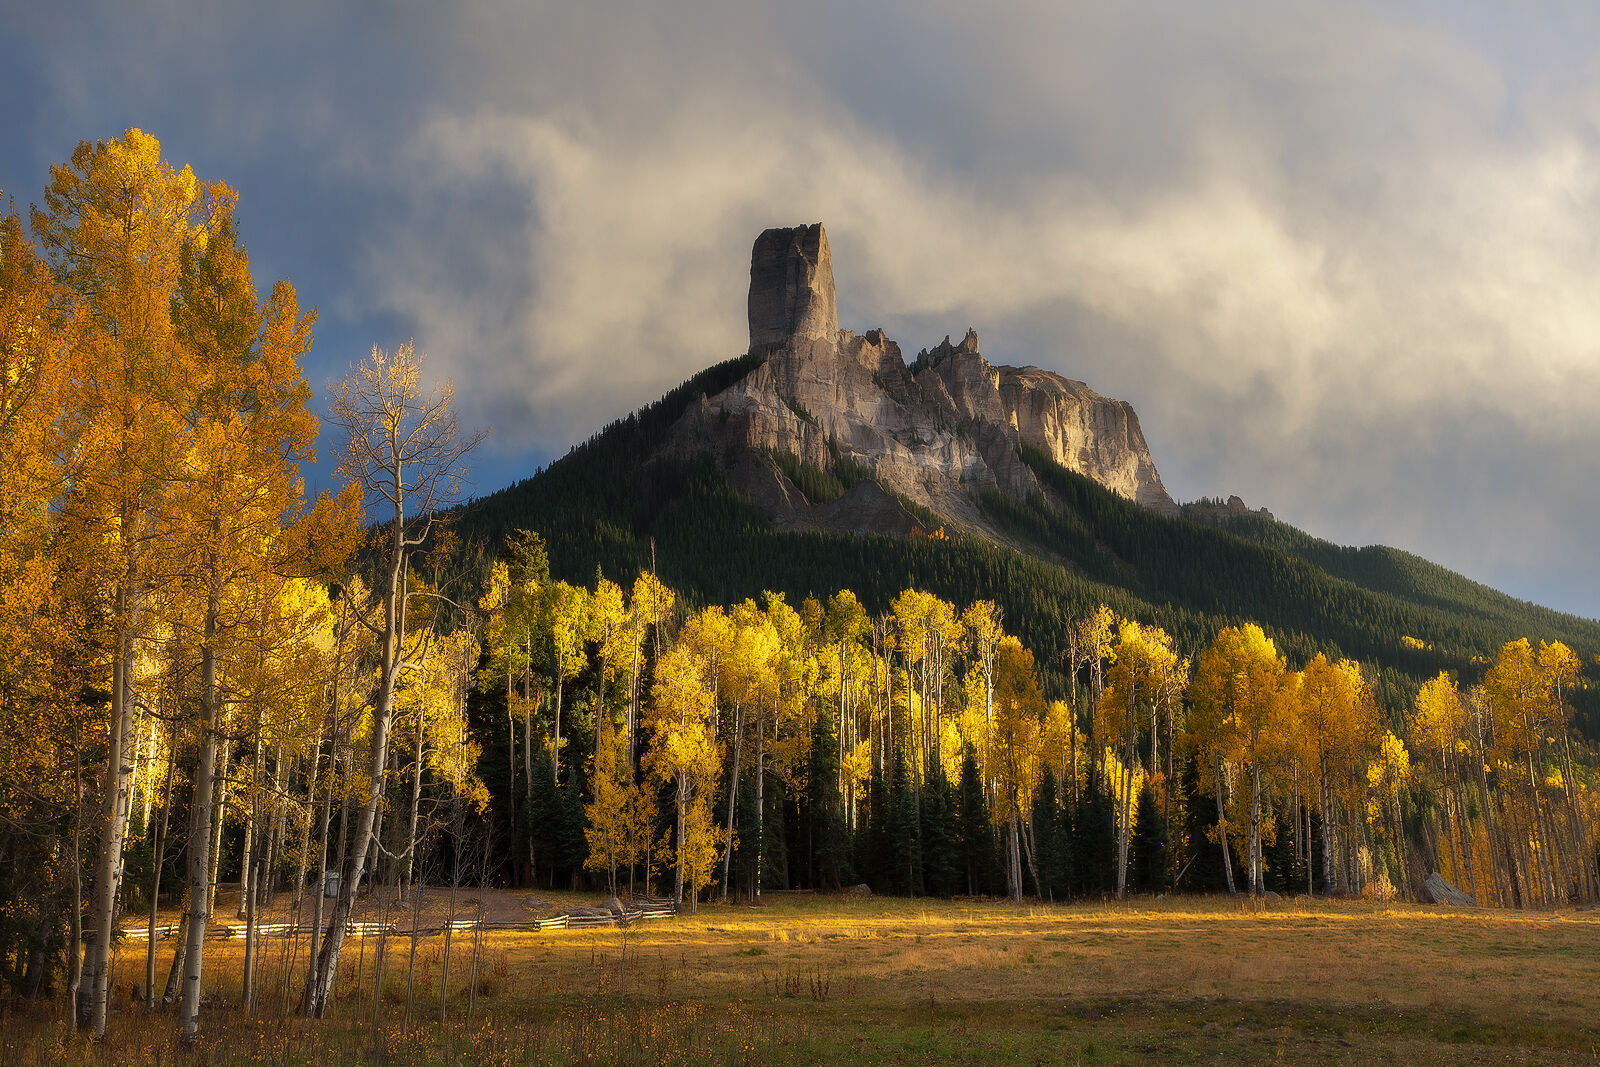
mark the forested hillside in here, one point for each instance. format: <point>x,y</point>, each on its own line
<point>606,502</point>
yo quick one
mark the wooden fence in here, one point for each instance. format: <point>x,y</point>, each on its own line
<point>640,909</point>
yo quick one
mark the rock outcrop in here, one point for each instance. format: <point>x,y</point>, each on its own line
<point>791,288</point>
<point>1219,513</point>
<point>933,432</point>
<point>1440,891</point>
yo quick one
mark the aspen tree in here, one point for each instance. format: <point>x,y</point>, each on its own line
<point>114,222</point>
<point>1440,728</point>
<point>1333,697</point>
<point>1089,645</point>
<point>1143,672</point>
<point>847,625</point>
<point>649,606</point>
<point>1236,681</point>
<point>746,647</point>
<point>785,713</point>
<point>406,454</point>
<point>685,753</point>
<point>1019,711</point>
<point>47,585</point>
<point>605,626</point>
<point>248,426</point>
<point>565,611</point>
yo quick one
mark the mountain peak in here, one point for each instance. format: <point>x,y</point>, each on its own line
<point>944,349</point>
<point>791,288</point>
<point>939,433</point>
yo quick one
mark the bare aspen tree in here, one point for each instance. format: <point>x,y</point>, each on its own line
<point>405,452</point>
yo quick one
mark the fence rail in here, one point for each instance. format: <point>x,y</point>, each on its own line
<point>640,909</point>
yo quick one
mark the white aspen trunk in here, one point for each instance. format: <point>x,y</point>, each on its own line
<point>1305,814</point>
<point>303,864</point>
<point>1015,865</point>
<point>555,747</point>
<point>151,750</point>
<point>1166,803</point>
<point>1028,852</point>
<point>416,799</point>
<point>179,951</point>
<point>633,708</point>
<point>1154,736</point>
<point>841,731</point>
<point>275,845</point>
<point>219,812</point>
<point>599,714</point>
<point>159,852</point>
<point>1072,735</point>
<point>1255,830</point>
<point>75,913</point>
<point>246,851</point>
<point>375,852</point>
<point>1222,830</point>
<point>94,986</point>
<point>733,803</point>
<point>1125,790</point>
<point>251,812</point>
<point>683,800</point>
<point>1329,829</point>
<point>325,820</point>
<point>1095,755</point>
<point>382,717</point>
<point>250,876</point>
<point>761,810</point>
<point>449,927</point>
<point>199,867</point>
<point>527,726</point>
<point>253,864</point>
<point>511,745</point>
<point>888,711</point>
<point>1589,884</point>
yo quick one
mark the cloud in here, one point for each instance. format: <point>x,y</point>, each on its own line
<point>1339,258</point>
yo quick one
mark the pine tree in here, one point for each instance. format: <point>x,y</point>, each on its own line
<point>974,844</point>
<point>1199,866</point>
<point>872,856</point>
<point>827,838</point>
<point>1094,841</point>
<point>1046,820</point>
<point>902,851</point>
<point>1063,873</point>
<point>572,847</point>
<point>782,815</point>
<point>1148,864</point>
<point>1285,870</point>
<point>940,871</point>
<point>540,819</point>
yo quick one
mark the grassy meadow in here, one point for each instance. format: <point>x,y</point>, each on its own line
<point>821,979</point>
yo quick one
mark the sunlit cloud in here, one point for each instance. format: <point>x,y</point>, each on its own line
<point>1340,259</point>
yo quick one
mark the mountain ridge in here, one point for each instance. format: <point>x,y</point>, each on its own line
<point>726,514</point>
<point>935,432</point>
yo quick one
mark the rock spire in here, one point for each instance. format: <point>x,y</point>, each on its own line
<point>791,288</point>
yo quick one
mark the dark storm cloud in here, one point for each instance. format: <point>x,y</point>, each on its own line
<point>1340,257</point>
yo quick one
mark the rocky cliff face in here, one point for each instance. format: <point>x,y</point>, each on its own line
<point>791,288</point>
<point>934,432</point>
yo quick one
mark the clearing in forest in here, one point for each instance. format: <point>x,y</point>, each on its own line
<point>809,979</point>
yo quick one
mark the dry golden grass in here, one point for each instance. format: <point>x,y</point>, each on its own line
<point>827,979</point>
